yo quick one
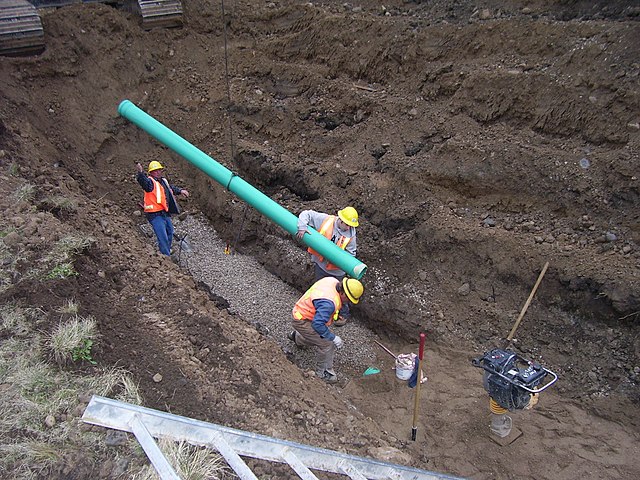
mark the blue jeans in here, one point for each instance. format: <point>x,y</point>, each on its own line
<point>163,228</point>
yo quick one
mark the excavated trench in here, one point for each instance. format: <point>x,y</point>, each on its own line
<point>565,325</point>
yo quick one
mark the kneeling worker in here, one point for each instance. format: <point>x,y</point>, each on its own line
<point>314,313</point>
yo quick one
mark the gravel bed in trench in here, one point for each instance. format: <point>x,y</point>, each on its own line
<point>263,300</point>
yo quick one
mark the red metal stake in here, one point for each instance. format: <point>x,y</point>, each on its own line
<point>414,428</point>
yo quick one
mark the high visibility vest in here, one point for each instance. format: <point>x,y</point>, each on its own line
<point>325,288</point>
<point>155,200</point>
<point>326,229</point>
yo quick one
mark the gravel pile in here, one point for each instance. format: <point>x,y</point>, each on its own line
<point>262,299</point>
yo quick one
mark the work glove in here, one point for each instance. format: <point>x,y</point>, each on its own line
<point>337,341</point>
<point>340,321</point>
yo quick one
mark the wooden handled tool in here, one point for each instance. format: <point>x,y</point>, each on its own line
<point>527,303</point>
<point>414,428</point>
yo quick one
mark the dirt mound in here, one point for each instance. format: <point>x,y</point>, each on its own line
<point>477,140</point>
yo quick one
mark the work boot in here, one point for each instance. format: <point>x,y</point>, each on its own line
<point>292,336</point>
<point>329,376</point>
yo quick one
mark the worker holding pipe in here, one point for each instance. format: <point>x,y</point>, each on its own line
<point>341,230</point>
<point>313,315</point>
<point>159,203</point>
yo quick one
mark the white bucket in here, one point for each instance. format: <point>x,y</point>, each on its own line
<point>404,365</point>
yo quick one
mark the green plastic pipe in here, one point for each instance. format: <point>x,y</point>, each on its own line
<point>254,197</point>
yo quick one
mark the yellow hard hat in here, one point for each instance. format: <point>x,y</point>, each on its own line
<point>155,165</point>
<point>353,289</point>
<point>349,215</point>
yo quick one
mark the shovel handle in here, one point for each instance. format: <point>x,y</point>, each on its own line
<point>387,350</point>
<point>528,302</point>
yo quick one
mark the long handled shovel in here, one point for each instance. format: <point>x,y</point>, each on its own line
<point>526,305</point>
<point>387,350</point>
<point>414,428</point>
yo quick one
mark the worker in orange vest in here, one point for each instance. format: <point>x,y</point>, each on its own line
<point>314,313</point>
<point>159,203</point>
<point>341,230</point>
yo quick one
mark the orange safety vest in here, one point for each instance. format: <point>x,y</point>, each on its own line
<point>155,200</point>
<point>325,288</point>
<point>326,229</point>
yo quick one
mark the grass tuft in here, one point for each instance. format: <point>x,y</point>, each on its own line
<point>190,462</point>
<point>25,193</point>
<point>73,339</point>
<point>58,204</point>
<point>35,382</point>
<point>14,169</point>
<point>130,391</point>
<point>19,322</point>
<point>63,270</point>
<point>62,254</point>
<point>70,246</point>
<point>117,383</point>
<point>70,307</point>
<point>13,320</point>
<point>8,260</point>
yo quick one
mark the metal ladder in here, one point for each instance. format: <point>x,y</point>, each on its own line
<point>146,423</point>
